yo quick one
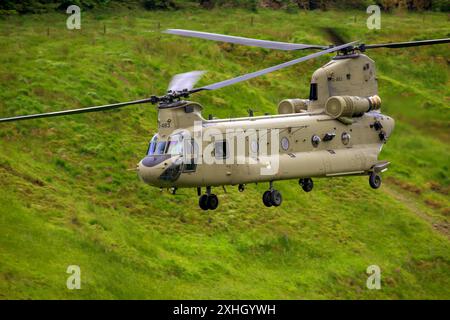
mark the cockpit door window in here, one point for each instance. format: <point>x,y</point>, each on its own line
<point>190,155</point>
<point>220,149</point>
<point>175,145</point>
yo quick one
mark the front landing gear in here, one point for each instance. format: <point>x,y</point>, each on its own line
<point>272,197</point>
<point>208,201</point>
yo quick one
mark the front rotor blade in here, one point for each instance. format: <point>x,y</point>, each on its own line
<point>76,111</point>
<point>255,74</point>
<point>185,80</point>
<point>407,44</point>
<point>244,41</point>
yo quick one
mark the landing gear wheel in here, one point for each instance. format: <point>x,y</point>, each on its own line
<point>375,180</point>
<point>306,184</point>
<point>241,188</point>
<point>203,202</point>
<point>275,198</point>
<point>266,199</point>
<point>213,202</point>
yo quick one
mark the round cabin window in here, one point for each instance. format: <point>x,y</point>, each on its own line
<point>345,138</point>
<point>315,140</point>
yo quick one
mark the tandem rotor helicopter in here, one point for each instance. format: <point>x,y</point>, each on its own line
<point>338,131</point>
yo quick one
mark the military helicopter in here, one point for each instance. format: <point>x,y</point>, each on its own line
<point>337,131</point>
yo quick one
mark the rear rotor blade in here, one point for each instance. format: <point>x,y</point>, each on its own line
<point>407,44</point>
<point>76,111</point>
<point>248,76</point>
<point>244,41</point>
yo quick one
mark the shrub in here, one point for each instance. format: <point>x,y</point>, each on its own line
<point>441,5</point>
<point>159,4</point>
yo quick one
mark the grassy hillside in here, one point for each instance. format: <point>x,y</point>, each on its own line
<point>67,195</point>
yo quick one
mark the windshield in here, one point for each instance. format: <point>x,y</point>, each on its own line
<point>175,146</point>
<point>160,147</point>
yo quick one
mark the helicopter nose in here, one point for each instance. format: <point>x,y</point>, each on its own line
<point>150,168</point>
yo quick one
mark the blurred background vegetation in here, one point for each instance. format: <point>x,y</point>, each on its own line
<point>41,6</point>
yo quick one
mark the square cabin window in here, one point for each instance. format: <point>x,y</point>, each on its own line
<point>220,149</point>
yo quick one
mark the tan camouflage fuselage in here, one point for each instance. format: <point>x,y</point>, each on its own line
<point>350,128</point>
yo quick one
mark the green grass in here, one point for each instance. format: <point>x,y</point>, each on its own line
<point>67,196</point>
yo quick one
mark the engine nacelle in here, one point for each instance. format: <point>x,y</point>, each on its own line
<point>292,106</point>
<point>351,106</point>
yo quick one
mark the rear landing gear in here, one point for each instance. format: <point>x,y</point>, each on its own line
<point>306,184</point>
<point>272,197</point>
<point>375,180</point>
<point>208,201</point>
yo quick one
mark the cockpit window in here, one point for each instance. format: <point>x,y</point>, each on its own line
<point>175,146</point>
<point>152,145</point>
